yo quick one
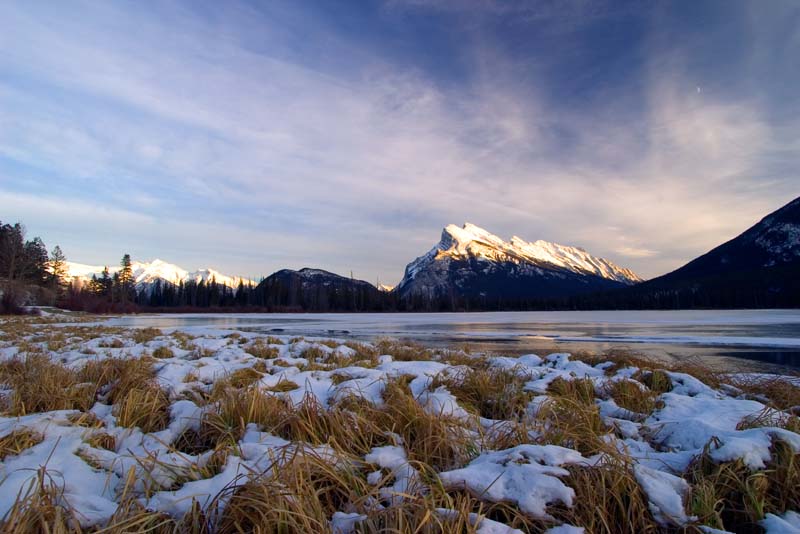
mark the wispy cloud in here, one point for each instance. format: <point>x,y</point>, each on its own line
<point>275,139</point>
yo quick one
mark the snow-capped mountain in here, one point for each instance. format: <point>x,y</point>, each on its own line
<point>471,261</point>
<point>146,273</point>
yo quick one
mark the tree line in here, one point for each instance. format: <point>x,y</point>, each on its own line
<point>28,273</point>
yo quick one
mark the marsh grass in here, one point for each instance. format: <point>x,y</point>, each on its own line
<point>298,494</point>
<point>491,393</point>
<point>403,351</point>
<point>145,407</point>
<point>304,487</point>
<point>608,499</point>
<point>163,352</point>
<point>632,396</point>
<point>114,377</point>
<point>777,392</point>
<point>260,348</point>
<point>145,335</point>
<point>39,508</point>
<point>39,385</point>
<point>728,495</point>
<point>17,441</point>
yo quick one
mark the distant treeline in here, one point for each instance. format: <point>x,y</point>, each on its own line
<point>31,275</point>
<point>104,296</point>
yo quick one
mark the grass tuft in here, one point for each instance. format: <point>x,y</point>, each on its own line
<point>17,441</point>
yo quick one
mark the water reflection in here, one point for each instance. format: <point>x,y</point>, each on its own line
<point>764,338</point>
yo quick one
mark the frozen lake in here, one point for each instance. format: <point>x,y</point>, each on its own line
<point>754,339</point>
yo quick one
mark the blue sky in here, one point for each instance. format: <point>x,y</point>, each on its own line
<point>252,136</point>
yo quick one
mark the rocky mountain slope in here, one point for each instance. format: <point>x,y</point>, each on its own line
<point>469,261</point>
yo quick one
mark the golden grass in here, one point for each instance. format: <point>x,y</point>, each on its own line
<point>17,441</point>
<point>260,348</point>
<point>608,499</point>
<point>438,440</point>
<point>163,353</point>
<point>114,377</point>
<point>144,335</point>
<point>39,385</point>
<point>114,343</point>
<point>657,381</point>
<point>632,396</point>
<point>730,496</point>
<point>145,407</point>
<point>102,440</point>
<point>38,508</point>
<point>777,392</point>
<point>403,350</point>
<point>283,386</point>
<point>491,393</point>
<point>580,390</point>
<point>299,494</point>
<point>85,419</point>
<point>302,489</point>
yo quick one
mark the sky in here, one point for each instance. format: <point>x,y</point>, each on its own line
<point>255,136</point>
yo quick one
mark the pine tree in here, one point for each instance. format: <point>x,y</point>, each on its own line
<point>106,284</point>
<point>58,270</point>
<point>125,278</point>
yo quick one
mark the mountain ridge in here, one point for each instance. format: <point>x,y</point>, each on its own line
<point>471,261</point>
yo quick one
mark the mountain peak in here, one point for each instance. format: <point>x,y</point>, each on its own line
<point>471,239</point>
<point>477,254</point>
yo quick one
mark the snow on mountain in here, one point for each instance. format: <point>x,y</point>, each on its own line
<point>471,240</point>
<point>146,273</point>
<point>469,253</point>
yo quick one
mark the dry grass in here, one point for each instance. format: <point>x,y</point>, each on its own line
<point>85,419</point>
<point>730,496</point>
<point>114,343</point>
<point>163,352</point>
<point>404,351</point>
<point>491,393</point>
<point>299,494</point>
<point>777,392</point>
<point>438,440</point>
<point>260,348</point>
<point>608,500</point>
<point>145,335</point>
<point>17,441</point>
<point>39,385</point>
<point>632,396</point>
<point>283,386</point>
<point>302,489</point>
<point>580,390</point>
<point>145,407</point>
<point>657,381</point>
<point>39,508</point>
<point>570,418</point>
<point>102,440</point>
<point>114,377</point>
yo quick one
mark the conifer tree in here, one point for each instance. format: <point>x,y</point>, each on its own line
<point>126,278</point>
<point>58,270</point>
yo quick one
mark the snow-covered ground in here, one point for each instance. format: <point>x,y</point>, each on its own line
<point>533,475</point>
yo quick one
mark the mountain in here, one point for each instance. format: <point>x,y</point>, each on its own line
<point>759,268</point>
<point>317,290</point>
<point>469,262</point>
<point>145,274</point>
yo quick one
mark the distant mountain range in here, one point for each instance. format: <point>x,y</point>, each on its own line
<point>145,274</point>
<point>470,268</point>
